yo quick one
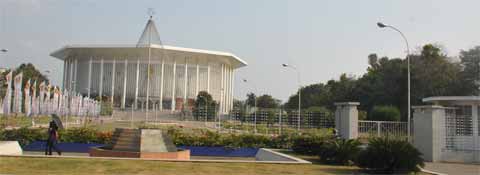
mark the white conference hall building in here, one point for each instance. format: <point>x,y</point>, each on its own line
<point>175,77</point>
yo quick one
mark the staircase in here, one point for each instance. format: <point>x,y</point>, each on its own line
<point>126,140</point>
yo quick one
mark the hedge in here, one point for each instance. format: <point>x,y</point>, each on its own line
<point>180,137</point>
<point>79,135</point>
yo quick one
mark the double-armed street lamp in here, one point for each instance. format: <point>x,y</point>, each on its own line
<point>381,25</point>
<point>299,93</point>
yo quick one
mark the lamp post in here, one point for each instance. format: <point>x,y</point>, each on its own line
<point>255,111</point>
<point>299,93</point>
<point>381,25</point>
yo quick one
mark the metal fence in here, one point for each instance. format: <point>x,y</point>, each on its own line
<point>382,129</point>
<point>284,118</point>
<point>460,140</point>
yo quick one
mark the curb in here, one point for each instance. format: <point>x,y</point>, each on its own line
<point>431,172</point>
<point>165,160</point>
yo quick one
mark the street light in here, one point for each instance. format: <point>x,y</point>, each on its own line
<point>299,93</point>
<point>381,25</point>
<point>255,103</point>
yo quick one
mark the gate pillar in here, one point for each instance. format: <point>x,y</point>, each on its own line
<point>346,119</point>
<point>429,131</point>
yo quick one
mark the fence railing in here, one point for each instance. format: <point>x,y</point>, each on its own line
<point>382,128</point>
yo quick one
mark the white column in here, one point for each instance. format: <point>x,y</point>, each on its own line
<point>136,83</point>
<point>185,90</point>
<point>222,77</point>
<point>208,77</point>
<point>101,79</point>
<point>113,80</point>
<point>75,76</point>
<point>64,74</point>
<point>89,76</point>
<point>173,85</point>
<point>227,88</point>
<point>231,87</point>
<point>197,79</point>
<point>124,83</point>
<point>161,84</point>
<point>233,81</point>
<point>70,80</point>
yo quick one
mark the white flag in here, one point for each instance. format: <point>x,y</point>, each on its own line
<point>55,100</point>
<point>7,100</point>
<point>28,99</point>
<point>48,99</point>
<point>41,107</point>
<point>17,104</point>
<point>34,99</point>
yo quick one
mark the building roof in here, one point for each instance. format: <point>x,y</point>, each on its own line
<point>149,38</point>
<point>453,100</point>
<point>82,49</point>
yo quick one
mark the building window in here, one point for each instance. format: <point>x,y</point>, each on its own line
<point>463,121</point>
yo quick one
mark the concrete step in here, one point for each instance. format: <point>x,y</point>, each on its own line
<point>126,139</point>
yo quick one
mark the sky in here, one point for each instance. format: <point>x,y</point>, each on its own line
<point>322,39</point>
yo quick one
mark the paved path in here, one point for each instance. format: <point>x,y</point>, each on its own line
<point>453,168</point>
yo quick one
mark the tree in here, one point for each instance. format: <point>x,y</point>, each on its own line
<point>434,74</point>
<point>470,60</point>
<point>342,90</point>
<point>385,83</point>
<point>203,99</point>
<point>251,99</point>
<point>325,94</point>
<point>312,95</point>
<point>204,104</point>
<point>237,104</point>
<point>385,113</point>
<point>267,101</point>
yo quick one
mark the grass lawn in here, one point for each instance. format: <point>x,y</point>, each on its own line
<point>38,166</point>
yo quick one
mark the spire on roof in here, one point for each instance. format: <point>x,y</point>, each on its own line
<point>150,35</point>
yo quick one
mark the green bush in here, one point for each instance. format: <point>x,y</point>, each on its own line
<point>385,113</point>
<point>385,155</point>
<point>24,135</point>
<point>85,135</point>
<point>320,109</point>
<point>180,137</point>
<point>79,135</point>
<point>308,144</point>
<point>339,151</point>
<point>106,108</point>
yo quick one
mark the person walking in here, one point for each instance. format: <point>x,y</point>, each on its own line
<point>52,139</point>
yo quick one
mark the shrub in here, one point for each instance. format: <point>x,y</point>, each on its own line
<point>106,108</point>
<point>308,145</point>
<point>79,135</point>
<point>320,109</point>
<point>385,113</point>
<point>24,135</point>
<point>85,135</point>
<point>384,155</point>
<point>339,151</point>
